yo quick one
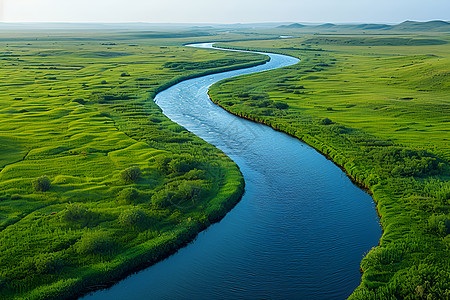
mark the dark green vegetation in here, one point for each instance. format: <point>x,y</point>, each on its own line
<point>379,107</point>
<point>95,181</point>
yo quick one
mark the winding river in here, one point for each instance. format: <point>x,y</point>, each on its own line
<point>299,232</point>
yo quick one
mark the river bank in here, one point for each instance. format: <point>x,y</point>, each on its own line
<point>94,178</point>
<point>394,174</point>
<point>296,204</point>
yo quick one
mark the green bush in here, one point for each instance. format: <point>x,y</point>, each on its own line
<point>74,212</point>
<point>439,224</point>
<point>128,195</point>
<point>195,175</point>
<point>326,121</point>
<point>184,163</point>
<point>162,164</point>
<point>96,242</point>
<point>162,198</point>
<point>131,174</point>
<point>181,193</point>
<point>132,217</point>
<point>190,190</point>
<point>41,184</point>
<point>280,105</point>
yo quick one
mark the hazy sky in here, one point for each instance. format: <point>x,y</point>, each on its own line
<point>223,11</point>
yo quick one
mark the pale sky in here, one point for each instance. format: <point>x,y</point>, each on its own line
<point>223,11</point>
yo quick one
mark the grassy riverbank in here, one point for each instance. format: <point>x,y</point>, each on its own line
<point>378,107</point>
<point>95,181</point>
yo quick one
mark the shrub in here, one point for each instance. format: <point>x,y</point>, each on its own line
<point>162,164</point>
<point>280,105</point>
<point>265,103</point>
<point>439,224</point>
<point>195,174</point>
<point>162,198</point>
<point>131,174</point>
<point>74,212</point>
<point>189,191</point>
<point>128,195</point>
<point>41,184</point>
<point>132,217</point>
<point>96,242</point>
<point>183,164</point>
<point>181,194</point>
<point>326,121</point>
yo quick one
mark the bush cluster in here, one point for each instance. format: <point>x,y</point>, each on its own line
<point>96,242</point>
<point>74,212</point>
<point>132,217</point>
<point>131,174</point>
<point>41,184</point>
<point>127,195</point>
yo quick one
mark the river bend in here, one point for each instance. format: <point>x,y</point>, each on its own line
<point>299,232</point>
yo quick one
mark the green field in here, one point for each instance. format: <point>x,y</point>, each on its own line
<point>379,107</point>
<point>95,181</point>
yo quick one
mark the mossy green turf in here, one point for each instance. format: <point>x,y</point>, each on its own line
<point>78,109</point>
<point>381,112</point>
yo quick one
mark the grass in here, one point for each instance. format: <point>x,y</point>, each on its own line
<point>378,107</point>
<point>95,181</point>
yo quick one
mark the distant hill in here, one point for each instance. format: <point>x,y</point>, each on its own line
<point>422,26</point>
<point>326,25</point>
<point>373,26</point>
<point>407,26</point>
<point>294,25</point>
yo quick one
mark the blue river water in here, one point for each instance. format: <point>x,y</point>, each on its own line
<point>299,232</point>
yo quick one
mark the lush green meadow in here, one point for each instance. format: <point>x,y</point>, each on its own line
<point>95,182</point>
<point>379,107</point>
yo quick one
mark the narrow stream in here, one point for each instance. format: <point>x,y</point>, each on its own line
<point>299,232</point>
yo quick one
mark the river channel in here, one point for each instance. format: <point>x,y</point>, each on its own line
<point>299,231</point>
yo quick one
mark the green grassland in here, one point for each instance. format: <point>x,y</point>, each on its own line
<point>95,181</point>
<point>379,107</point>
